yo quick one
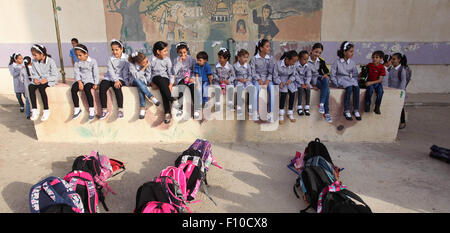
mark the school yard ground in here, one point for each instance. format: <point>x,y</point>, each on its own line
<point>398,177</point>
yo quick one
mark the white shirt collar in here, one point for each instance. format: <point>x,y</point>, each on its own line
<point>310,60</point>
<point>283,64</point>
<point>398,67</point>
<point>124,56</point>
<point>89,59</point>
<point>343,60</point>
<point>306,64</point>
<point>226,65</point>
<point>239,65</point>
<point>259,56</point>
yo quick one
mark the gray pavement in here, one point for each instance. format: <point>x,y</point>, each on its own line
<point>397,177</point>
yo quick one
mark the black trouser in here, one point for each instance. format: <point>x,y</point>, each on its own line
<point>283,96</point>
<point>32,89</point>
<point>87,90</point>
<point>104,86</point>
<point>403,116</point>
<point>307,95</point>
<point>163,85</point>
<point>181,87</point>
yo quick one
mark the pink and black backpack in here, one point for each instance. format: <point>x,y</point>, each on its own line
<point>83,184</point>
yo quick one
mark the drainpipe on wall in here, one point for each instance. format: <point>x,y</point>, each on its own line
<point>55,14</point>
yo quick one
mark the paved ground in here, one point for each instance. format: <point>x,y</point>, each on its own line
<point>396,177</point>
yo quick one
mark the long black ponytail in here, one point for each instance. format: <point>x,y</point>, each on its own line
<point>260,44</point>
<point>26,62</point>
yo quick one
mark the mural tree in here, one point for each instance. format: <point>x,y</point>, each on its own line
<point>132,28</point>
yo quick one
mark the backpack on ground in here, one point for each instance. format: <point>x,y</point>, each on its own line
<point>190,161</point>
<point>54,195</point>
<point>204,147</point>
<point>296,165</point>
<point>336,198</point>
<point>174,181</point>
<point>83,184</point>
<point>316,148</point>
<point>101,168</point>
<point>440,153</point>
<point>152,197</point>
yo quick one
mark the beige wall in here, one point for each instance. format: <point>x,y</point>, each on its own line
<point>386,20</point>
<point>31,21</point>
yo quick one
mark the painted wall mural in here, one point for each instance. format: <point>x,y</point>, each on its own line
<point>211,24</point>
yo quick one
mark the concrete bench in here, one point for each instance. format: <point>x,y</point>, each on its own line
<point>61,128</point>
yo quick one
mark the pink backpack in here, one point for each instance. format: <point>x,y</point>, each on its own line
<point>174,180</point>
<point>155,207</point>
<point>83,184</point>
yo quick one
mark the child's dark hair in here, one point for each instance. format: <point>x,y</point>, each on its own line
<point>302,53</point>
<point>289,55</point>
<point>82,48</point>
<point>13,58</point>
<point>345,46</point>
<point>317,46</point>
<point>117,42</point>
<point>378,53</point>
<point>136,57</point>
<point>225,53</point>
<point>40,49</point>
<point>74,40</point>
<point>160,45</point>
<point>26,62</point>
<point>240,53</point>
<point>260,44</point>
<point>182,45</point>
<point>386,58</point>
<point>402,58</point>
<point>202,55</point>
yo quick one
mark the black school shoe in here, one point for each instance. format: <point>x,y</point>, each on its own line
<point>348,117</point>
<point>358,118</point>
<point>377,110</point>
<point>367,108</point>
<point>300,112</point>
<point>307,113</point>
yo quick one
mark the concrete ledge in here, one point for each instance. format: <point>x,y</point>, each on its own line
<point>61,128</point>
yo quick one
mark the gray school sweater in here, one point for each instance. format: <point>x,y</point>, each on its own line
<point>16,71</point>
<point>344,73</point>
<point>262,67</point>
<point>87,71</point>
<point>44,69</point>
<point>283,73</point>
<point>304,74</point>
<point>180,69</point>
<point>223,73</point>
<point>394,80</point>
<point>242,72</point>
<point>163,68</point>
<point>136,73</point>
<point>117,69</point>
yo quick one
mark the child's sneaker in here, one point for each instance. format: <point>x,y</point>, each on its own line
<point>142,114</point>
<point>22,109</point>
<point>104,115</point>
<point>291,116</point>
<point>255,116</point>
<point>357,115</point>
<point>300,111</point>
<point>179,113</point>
<point>196,115</point>
<point>270,117</point>
<point>281,116</point>
<point>307,113</point>
<point>328,118</point>
<point>45,115</point>
<point>155,101</point>
<point>34,114</point>
<point>348,116</point>
<point>321,109</point>
<point>76,113</point>
<point>120,114</point>
<point>91,114</point>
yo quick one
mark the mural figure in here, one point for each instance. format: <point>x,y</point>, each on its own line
<point>266,27</point>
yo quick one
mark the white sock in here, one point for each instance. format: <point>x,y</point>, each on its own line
<point>76,111</point>
<point>299,107</point>
<point>307,107</point>
<point>142,112</point>
<point>154,100</point>
<point>91,111</point>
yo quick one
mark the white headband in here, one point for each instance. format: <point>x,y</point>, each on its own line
<point>135,54</point>
<point>16,55</point>
<point>36,46</point>
<point>182,43</point>
<point>223,49</point>
<point>345,45</point>
<point>114,40</point>
<point>84,50</point>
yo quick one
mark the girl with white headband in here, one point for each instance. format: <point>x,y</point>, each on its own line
<point>224,76</point>
<point>344,73</point>
<point>115,77</point>
<point>44,74</point>
<point>86,78</point>
<point>16,69</point>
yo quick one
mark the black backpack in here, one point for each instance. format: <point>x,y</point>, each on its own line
<point>341,202</point>
<point>440,153</point>
<point>316,148</point>
<point>153,193</point>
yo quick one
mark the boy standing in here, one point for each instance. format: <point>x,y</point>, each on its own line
<point>203,77</point>
<point>374,81</point>
<point>72,51</point>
